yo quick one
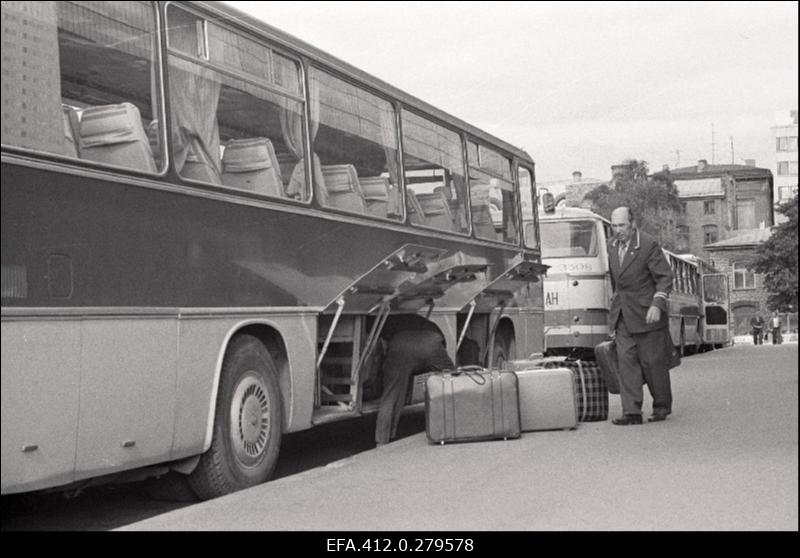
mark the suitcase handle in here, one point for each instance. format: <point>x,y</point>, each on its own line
<point>473,372</point>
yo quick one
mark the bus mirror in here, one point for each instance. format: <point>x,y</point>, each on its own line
<point>548,203</point>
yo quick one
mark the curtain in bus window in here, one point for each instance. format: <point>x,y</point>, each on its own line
<point>292,131</point>
<point>351,127</point>
<point>194,95</point>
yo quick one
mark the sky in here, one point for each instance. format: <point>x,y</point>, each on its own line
<point>580,86</point>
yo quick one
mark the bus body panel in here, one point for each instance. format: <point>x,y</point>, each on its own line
<point>40,383</point>
<point>183,253</point>
<point>127,393</point>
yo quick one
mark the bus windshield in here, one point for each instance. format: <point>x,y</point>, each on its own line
<point>568,239</point>
<point>714,289</point>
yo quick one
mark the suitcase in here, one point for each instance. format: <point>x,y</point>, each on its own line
<point>547,399</point>
<point>590,387</point>
<point>606,355</point>
<point>470,404</point>
<point>416,387</point>
<point>591,393</point>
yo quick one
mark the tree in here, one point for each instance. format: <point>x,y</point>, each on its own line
<point>653,199</point>
<point>777,261</point>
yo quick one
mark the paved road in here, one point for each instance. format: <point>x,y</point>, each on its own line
<point>726,459</point>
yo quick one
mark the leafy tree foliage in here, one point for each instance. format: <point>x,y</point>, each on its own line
<point>777,261</point>
<point>654,200</point>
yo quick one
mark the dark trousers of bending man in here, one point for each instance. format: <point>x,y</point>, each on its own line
<point>409,345</point>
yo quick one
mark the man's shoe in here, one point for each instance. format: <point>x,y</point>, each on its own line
<point>625,420</point>
<point>658,416</point>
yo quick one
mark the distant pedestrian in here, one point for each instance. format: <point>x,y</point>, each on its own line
<point>642,280</point>
<point>775,326</point>
<point>757,328</point>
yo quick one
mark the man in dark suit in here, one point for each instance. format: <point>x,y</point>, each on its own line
<point>642,281</point>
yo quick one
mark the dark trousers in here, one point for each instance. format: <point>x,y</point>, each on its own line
<point>776,335</point>
<point>408,352</point>
<point>757,337</point>
<point>644,356</point>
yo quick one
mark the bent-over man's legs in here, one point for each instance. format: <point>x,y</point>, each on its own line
<point>408,352</point>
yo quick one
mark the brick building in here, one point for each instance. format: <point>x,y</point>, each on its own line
<point>747,294</point>
<point>719,202</point>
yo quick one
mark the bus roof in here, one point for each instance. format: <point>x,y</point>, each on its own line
<point>299,46</point>
<point>566,212</point>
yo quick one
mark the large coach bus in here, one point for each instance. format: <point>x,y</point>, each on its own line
<point>205,224</point>
<point>577,289</point>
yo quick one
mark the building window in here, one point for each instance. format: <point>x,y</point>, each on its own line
<point>786,143</point>
<point>709,234</point>
<point>682,238</point>
<point>746,214</point>
<point>683,208</point>
<point>743,278</point>
<point>787,168</point>
<point>787,193</point>
<point>709,207</point>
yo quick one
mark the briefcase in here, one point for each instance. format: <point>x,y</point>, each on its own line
<point>470,404</point>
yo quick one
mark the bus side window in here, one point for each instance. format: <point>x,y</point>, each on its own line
<point>61,59</point>
<point>492,190</point>
<point>434,174</point>
<point>354,137</point>
<point>237,109</point>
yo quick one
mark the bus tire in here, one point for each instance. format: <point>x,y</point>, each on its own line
<point>247,423</point>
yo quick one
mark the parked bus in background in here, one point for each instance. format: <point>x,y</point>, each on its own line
<point>684,304</point>
<point>205,224</point>
<point>714,294</point>
<point>577,288</point>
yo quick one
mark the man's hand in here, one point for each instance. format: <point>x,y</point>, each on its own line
<point>653,314</point>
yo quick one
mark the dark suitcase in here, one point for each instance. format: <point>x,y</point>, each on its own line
<point>590,388</point>
<point>606,355</point>
<point>471,404</point>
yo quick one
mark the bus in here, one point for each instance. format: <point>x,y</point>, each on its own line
<point>206,223</point>
<point>714,301</point>
<point>577,288</point>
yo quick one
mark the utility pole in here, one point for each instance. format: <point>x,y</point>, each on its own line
<point>733,159</point>
<point>677,158</point>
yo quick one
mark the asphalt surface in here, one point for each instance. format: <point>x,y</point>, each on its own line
<point>726,460</point>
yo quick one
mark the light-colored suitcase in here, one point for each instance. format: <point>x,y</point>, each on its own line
<point>547,399</point>
<point>471,404</point>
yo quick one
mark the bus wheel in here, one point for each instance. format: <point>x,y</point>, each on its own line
<point>247,424</point>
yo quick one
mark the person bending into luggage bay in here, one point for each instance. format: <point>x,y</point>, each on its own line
<point>642,280</point>
<point>409,344</point>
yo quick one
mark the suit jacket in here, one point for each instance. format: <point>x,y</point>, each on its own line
<point>644,272</point>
